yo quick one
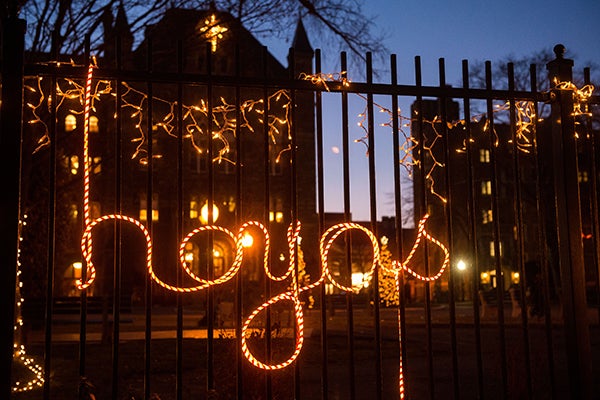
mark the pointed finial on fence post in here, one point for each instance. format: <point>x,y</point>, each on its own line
<point>560,69</point>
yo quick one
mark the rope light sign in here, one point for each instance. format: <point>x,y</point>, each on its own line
<point>293,237</point>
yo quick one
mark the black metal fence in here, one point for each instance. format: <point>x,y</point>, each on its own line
<point>166,165</point>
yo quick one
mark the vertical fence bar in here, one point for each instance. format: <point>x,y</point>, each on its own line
<point>116,302</point>
<point>422,211</point>
<point>496,226</point>
<point>568,213</point>
<point>239,318</point>
<point>373,213</point>
<point>83,296</point>
<point>449,224</point>
<point>267,204</point>
<point>347,218</point>
<point>321,212</point>
<point>179,170</point>
<point>473,238</point>
<point>51,241</point>
<point>398,211</point>
<point>595,221</point>
<point>294,196</point>
<point>544,264</point>
<point>149,192</point>
<point>11,114</point>
<point>593,173</point>
<point>518,210</point>
<point>210,357</point>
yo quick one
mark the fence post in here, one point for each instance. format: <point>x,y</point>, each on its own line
<point>568,217</point>
<point>13,33</point>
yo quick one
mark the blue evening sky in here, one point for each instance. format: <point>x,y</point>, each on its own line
<point>455,30</point>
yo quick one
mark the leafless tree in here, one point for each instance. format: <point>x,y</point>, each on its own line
<point>343,22</point>
<point>522,71</point>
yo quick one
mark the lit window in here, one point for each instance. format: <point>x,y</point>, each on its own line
<point>583,176</point>
<point>93,124</point>
<point>74,164</point>
<point>276,216</point>
<point>194,208</point>
<point>95,209</point>
<point>279,217</point>
<point>70,123</point>
<point>484,155</point>
<point>485,278</point>
<point>488,216</point>
<point>493,249</point>
<point>486,187</point>
<point>96,165</point>
<point>231,204</point>
<point>144,208</point>
<point>73,212</point>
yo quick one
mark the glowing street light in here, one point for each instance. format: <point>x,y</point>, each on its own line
<point>461,265</point>
<point>247,240</point>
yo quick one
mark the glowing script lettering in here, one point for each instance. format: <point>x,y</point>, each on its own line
<point>293,233</point>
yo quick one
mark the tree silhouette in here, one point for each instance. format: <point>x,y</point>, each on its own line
<point>340,21</point>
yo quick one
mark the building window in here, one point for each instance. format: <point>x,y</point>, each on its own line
<point>276,216</point>
<point>583,176</point>
<point>486,187</point>
<point>70,123</point>
<point>230,204</point>
<point>276,213</point>
<point>95,209</point>
<point>194,208</point>
<point>93,127</point>
<point>96,165</point>
<point>484,156</point>
<point>493,249</point>
<point>74,164</point>
<point>488,216</point>
<point>73,212</point>
<point>144,207</point>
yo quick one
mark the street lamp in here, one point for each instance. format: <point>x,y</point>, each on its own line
<point>461,266</point>
<point>247,240</point>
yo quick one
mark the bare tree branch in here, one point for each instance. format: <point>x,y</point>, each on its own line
<point>340,22</point>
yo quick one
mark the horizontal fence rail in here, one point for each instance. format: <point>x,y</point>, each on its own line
<point>176,238</point>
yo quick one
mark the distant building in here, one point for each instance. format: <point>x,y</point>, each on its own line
<point>202,34</point>
<point>484,189</point>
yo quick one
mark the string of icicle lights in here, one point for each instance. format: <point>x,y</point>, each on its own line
<point>252,111</point>
<point>19,352</point>
<point>134,102</point>
<point>525,115</point>
<point>292,295</point>
<point>224,122</point>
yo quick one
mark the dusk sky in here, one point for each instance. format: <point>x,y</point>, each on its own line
<point>455,30</point>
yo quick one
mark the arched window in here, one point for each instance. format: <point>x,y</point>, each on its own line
<point>93,124</point>
<point>70,123</point>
